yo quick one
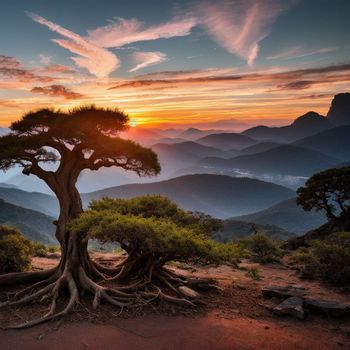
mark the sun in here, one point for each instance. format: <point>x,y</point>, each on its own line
<point>133,122</point>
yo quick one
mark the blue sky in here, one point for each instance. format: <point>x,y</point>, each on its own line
<point>208,38</point>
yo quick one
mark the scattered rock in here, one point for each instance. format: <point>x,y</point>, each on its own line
<point>271,303</point>
<point>281,292</point>
<point>188,292</point>
<point>331,308</point>
<point>292,306</point>
<point>53,256</point>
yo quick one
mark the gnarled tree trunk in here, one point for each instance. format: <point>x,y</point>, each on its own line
<point>139,278</point>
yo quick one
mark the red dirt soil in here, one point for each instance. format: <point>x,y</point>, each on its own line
<point>236,319</point>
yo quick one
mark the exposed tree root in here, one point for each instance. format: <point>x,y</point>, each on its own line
<point>135,282</point>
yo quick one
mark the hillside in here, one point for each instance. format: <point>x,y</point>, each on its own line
<point>31,200</point>
<point>34,225</point>
<point>306,125</point>
<point>259,147</point>
<point>284,160</point>
<point>234,229</point>
<point>334,142</point>
<point>217,195</point>
<point>288,216</point>
<point>227,141</point>
<point>173,157</point>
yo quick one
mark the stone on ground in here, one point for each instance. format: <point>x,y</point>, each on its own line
<point>292,306</point>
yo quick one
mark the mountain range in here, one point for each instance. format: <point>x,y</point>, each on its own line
<point>217,195</point>
<point>227,141</point>
<point>286,215</point>
<point>34,225</point>
<point>234,229</point>
<point>284,160</point>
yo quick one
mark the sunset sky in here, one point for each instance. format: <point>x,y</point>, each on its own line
<point>179,63</point>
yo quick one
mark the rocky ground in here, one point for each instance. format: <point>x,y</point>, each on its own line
<point>239,317</point>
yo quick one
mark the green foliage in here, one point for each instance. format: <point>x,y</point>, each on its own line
<point>160,207</point>
<point>254,274</point>
<point>327,260</point>
<point>328,190</point>
<point>152,225</point>
<point>261,248</point>
<point>15,251</point>
<point>42,250</point>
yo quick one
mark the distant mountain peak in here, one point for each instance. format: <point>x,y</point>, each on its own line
<point>310,119</point>
<point>339,112</point>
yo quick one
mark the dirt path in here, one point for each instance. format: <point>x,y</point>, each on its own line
<point>170,333</point>
<point>237,319</point>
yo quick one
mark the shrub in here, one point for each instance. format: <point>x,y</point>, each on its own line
<point>260,248</point>
<point>153,225</point>
<point>327,260</point>
<point>39,249</point>
<point>15,251</point>
<point>254,274</point>
<point>160,207</point>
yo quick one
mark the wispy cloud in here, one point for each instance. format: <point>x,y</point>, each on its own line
<point>299,52</point>
<point>289,79</point>
<point>121,31</point>
<point>57,90</point>
<point>145,59</point>
<point>238,26</point>
<point>97,60</point>
<point>45,59</point>
<point>12,69</point>
<point>58,68</point>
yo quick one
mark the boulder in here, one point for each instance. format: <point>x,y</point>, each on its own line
<point>283,292</point>
<point>188,292</point>
<point>331,308</point>
<point>292,306</point>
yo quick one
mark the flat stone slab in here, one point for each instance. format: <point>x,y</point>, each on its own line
<point>283,292</point>
<point>292,307</point>
<point>332,308</point>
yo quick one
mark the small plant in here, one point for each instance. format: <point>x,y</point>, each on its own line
<point>260,248</point>
<point>254,274</point>
<point>15,251</point>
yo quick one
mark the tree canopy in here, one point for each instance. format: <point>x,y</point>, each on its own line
<point>152,225</point>
<point>89,135</point>
<point>329,191</point>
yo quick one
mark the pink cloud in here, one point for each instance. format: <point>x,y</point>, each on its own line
<point>145,59</point>
<point>126,31</point>
<point>239,26</point>
<point>95,59</point>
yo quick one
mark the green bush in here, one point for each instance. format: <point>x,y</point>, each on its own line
<point>254,274</point>
<point>15,251</point>
<point>260,248</point>
<point>39,249</point>
<point>155,226</point>
<point>327,260</point>
<point>160,207</point>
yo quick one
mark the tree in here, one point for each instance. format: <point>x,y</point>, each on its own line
<point>83,138</point>
<point>153,231</point>
<point>329,191</point>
